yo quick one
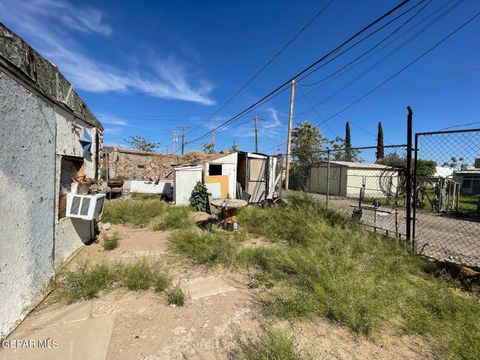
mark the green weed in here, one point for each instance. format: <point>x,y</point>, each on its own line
<point>274,345</point>
<point>133,212</point>
<point>87,280</point>
<point>177,217</point>
<point>111,242</point>
<point>208,248</point>
<point>176,296</point>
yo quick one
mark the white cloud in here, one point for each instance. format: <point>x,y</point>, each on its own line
<point>44,23</point>
<point>112,120</point>
<point>270,125</point>
<point>113,131</point>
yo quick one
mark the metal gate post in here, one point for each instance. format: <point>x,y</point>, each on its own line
<point>415,200</point>
<point>408,176</point>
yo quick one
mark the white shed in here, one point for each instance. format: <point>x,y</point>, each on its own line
<point>347,178</point>
<point>227,166</point>
<point>185,179</point>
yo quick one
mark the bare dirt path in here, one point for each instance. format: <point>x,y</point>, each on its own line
<point>220,308</point>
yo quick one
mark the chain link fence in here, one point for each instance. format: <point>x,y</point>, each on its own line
<point>447,204</point>
<point>358,183</point>
<point>371,189</point>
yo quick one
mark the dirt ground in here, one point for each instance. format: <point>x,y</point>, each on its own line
<point>220,308</point>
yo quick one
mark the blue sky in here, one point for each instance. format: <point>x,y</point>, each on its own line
<point>145,68</point>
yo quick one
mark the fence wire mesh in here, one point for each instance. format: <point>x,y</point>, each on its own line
<point>360,184</point>
<point>447,203</point>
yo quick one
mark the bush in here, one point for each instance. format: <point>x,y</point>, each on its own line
<point>84,283</point>
<point>274,345</point>
<point>111,242</point>
<point>199,197</point>
<point>176,296</point>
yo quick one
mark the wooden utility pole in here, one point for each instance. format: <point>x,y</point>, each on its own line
<point>174,142</point>
<point>183,138</point>
<point>256,133</point>
<point>289,137</point>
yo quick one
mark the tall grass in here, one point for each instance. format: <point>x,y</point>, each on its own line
<point>146,212</point>
<point>87,280</point>
<point>133,212</point>
<point>273,344</point>
<point>321,265</point>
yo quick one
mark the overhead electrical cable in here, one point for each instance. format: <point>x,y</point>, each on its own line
<point>425,53</point>
<point>270,61</point>
<point>286,83</point>
<point>391,53</point>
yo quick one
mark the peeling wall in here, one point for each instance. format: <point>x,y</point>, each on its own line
<point>27,199</point>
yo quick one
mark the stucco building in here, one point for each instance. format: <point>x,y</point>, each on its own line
<point>47,135</point>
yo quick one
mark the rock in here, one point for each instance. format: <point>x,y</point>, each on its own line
<point>106,226</point>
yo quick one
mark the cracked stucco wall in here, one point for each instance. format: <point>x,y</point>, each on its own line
<point>34,136</point>
<point>27,199</point>
<point>71,234</point>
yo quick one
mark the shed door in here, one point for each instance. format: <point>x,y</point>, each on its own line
<point>256,185</point>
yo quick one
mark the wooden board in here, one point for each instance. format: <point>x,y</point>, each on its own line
<point>222,179</point>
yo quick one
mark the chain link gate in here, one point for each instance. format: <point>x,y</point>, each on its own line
<point>446,201</point>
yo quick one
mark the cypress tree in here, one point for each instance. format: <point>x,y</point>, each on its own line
<point>348,143</point>
<point>380,146</point>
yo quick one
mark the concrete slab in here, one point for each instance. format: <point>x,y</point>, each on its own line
<point>83,339</point>
<point>71,313</point>
<point>207,286</point>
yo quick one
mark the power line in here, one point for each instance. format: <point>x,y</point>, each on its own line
<point>391,53</point>
<point>283,85</point>
<point>376,45</point>
<point>404,68</point>
<point>399,71</point>
<point>461,125</point>
<point>270,61</point>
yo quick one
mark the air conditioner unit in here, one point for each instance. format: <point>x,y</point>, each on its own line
<point>86,207</point>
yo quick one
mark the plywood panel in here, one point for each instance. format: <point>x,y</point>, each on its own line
<point>257,169</point>
<point>222,179</point>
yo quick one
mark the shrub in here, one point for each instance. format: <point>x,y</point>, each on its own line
<point>199,197</point>
<point>270,345</point>
<point>84,283</point>
<point>111,242</point>
<point>176,296</point>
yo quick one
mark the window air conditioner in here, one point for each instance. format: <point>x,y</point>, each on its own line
<point>86,207</point>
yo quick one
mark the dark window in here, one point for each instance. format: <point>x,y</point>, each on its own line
<point>215,169</point>
<point>70,167</point>
<point>141,166</point>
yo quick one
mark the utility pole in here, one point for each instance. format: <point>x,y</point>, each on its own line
<point>183,138</point>
<point>289,137</point>
<point>175,139</point>
<point>213,138</point>
<point>256,133</point>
